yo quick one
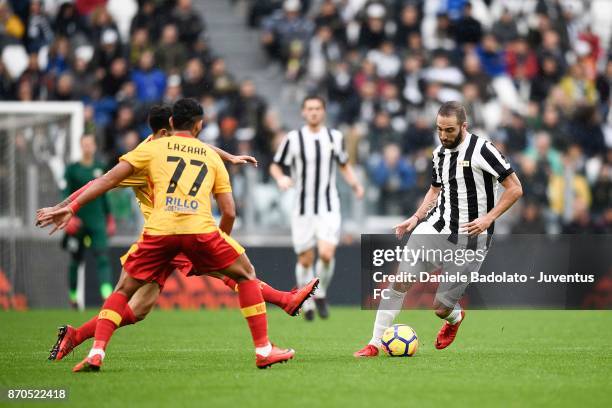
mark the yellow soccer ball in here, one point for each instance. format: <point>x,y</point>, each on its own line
<point>400,340</point>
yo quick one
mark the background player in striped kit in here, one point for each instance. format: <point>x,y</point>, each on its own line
<point>458,211</point>
<point>312,152</point>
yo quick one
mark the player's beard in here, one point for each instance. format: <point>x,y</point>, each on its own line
<point>457,141</point>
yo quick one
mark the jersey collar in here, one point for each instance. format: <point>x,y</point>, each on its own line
<point>182,134</point>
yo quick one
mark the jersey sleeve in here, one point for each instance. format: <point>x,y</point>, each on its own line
<point>436,180</point>
<point>222,179</point>
<point>493,162</point>
<point>340,147</point>
<point>140,157</point>
<point>284,154</point>
<point>135,180</point>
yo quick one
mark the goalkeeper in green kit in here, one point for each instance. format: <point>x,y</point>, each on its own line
<point>93,226</point>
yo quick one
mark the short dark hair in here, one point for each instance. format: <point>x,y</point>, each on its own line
<point>314,98</point>
<point>159,117</point>
<point>453,108</point>
<point>185,113</point>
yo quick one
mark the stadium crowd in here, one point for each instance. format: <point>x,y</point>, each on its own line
<point>535,76</point>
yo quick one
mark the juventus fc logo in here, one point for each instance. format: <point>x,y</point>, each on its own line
<point>464,163</point>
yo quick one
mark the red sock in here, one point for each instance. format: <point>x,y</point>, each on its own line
<point>109,319</point>
<point>230,283</point>
<point>270,295</point>
<point>88,329</point>
<point>274,296</point>
<point>253,308</point>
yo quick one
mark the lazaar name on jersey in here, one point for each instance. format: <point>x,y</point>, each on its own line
<point>181,204</point>
<point>186,149</point>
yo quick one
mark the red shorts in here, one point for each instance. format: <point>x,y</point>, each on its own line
<point>154,257</point>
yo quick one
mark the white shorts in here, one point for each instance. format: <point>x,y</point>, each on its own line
<point>307,230</point>
<point>425,236</point>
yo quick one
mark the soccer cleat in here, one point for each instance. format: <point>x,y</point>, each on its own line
<point>447,333</point>
<point>322,308</point>
<point>65,343</point>
<point>277,355</point>
<point>369,350</point>
<point>300,296</point>
<point>89,364</point>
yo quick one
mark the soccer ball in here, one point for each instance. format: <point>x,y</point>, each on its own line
<point>400,340</point>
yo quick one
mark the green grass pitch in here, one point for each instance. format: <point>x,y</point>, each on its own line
<point>515,358</point>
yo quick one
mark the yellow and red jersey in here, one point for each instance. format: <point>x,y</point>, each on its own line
<point>183,172</point>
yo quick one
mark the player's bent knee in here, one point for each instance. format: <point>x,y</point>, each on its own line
<point>401,286</point>
<point>443,311</point>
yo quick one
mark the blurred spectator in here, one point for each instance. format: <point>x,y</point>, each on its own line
<point>408,23</point>
<point>467,30</point>
<point>248,107</point>
<point>544,154</point>
<point>64,88</point>
<point>386,61</point>
<point>68,23</point>
<point>505,29</point>
<point>189,23</point>
<point>283,28</point>
<point>586,131</point>
<point>521,62</point>
<point>116,77</point>
<point>170,55</point>
<point>372,31</point>
<point>11,26</point>
<point>514,134</point>
<point>222,82</point>
<point>140,43</point>
<point>150,82</point>
<point>381,133</point>
<point>39,32</point>
<point>570,194</point>
<point>491,56</point>
<point>195,84</point>
<point>395,178</point>
<point>531,220</point>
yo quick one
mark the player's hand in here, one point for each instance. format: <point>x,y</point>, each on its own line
<point>406,226</point>
<point>244,159</point>
<point>358,191</point>
<point>59,217</point>
<point>111,225</point>
<point>41,212</point>
<point>478,226</point>
<point>284,183</point>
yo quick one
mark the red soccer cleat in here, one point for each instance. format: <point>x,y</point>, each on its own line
<point>277,355</point>
<point>447,333</point>
<point>65,343</point>
<point>369,350</point>
<point>300,296</point>
<point>88,364</point>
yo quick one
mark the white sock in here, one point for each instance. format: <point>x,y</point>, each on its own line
<point>388,309</point>
<point>95,351</point>
<point>455,316</point>
<point>303,275</point>
<point>325,273</point>
<point>264,351</point>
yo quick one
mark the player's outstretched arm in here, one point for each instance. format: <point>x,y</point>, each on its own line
<point>512,192</point>
<point>351,178</point>
<point>429,201</point>
<point>239,159</point>
<point>99,186</point>
<point>225,202</point>
<point>283,181</point>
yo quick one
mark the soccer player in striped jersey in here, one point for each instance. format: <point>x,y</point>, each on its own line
<point>458,211</point>
<point>313,152</point>
<point>145,298</point>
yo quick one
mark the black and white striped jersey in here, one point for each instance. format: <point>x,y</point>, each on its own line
<point>313,158</point>
<point>469,176</point>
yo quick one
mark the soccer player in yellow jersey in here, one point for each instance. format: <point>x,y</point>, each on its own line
<point>184,172</point>
<point>145,298</point>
